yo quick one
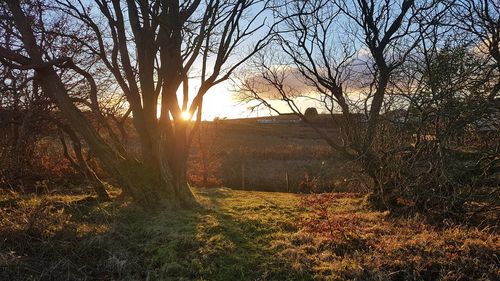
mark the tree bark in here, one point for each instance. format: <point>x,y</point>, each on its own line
<point>81,164</point>
<point>146,180</point>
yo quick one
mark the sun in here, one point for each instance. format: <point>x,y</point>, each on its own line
<point>186,115</point>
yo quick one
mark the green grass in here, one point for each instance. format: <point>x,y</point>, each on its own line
<point>235,235</point>
<point>231,238</point>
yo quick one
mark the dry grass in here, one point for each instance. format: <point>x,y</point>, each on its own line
<point>236,235</point>
<point>270,151</point>
<point>357,244</point>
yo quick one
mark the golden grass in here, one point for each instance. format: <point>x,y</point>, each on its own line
<point>236,235</point>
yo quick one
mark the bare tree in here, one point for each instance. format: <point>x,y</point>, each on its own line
<point>26,116</point>
<point>152,49</point>
<point>346,52</point>
<point>481,19</point>
<point>206,157</point>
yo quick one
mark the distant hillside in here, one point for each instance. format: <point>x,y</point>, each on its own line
<point>276,156</point>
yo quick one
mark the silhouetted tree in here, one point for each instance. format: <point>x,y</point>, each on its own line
<point>346,53</point>
<point>311,113</point>
<point>481,20</point>
<point>152,49</point>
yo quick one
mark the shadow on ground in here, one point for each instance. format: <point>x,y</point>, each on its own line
<point>66,238</point>
<point>228,241</point>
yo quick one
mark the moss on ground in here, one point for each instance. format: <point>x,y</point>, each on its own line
<point>236,235</point>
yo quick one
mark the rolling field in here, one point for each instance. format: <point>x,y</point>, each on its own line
<point>264,155</point>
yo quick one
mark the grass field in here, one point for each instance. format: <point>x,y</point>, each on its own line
<point>233,235</point>
<point>270,152</point>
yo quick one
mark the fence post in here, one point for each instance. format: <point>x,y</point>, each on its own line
<point>243,175</point>
<point>287,179</point>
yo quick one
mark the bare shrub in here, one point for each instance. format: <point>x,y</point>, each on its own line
<point>204,160</point>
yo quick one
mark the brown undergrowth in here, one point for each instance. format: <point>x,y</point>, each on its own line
<point>355,243</point>
<point>236,235</point>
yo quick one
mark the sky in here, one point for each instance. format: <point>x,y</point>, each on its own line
<point>221,102</point>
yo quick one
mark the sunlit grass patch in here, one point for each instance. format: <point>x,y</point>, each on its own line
<point>234,235</point>
<point>368,245</point>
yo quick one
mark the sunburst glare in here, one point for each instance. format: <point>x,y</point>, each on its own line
<point>186,115</point>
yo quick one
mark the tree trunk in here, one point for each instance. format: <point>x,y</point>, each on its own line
<point>151,182</point>
<point>81,164</point>
<point>179,164</point>
<point>383,195</point>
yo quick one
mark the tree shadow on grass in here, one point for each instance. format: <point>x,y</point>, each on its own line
<point>113,241</point>
<point>226,246</point>
<point>63,237</point>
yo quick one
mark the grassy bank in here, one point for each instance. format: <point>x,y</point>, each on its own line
<point>235,235</point>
